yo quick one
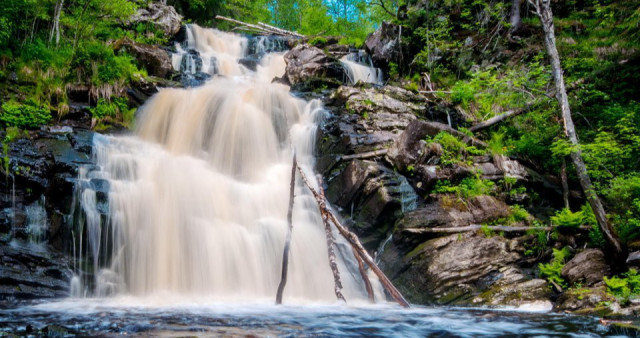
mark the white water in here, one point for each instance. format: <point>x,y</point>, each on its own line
<point>198,198</point>
<point>359,68</point>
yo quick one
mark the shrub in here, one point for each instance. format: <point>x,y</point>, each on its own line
<point>454,150</point>
<point>28,115</point>
<point>552,270</point>
<point>567,219</point>
<point>624,286</point>
<point>318,41</point>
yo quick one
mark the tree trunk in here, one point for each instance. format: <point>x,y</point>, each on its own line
<point>565,183</point>
<point>615,250</point>
<point>515,20</point>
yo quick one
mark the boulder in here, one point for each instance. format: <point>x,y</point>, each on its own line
<point>372,195</point>
<point>514,289</point>
<point>449,270</point>
<point>155,60</point>
<point>587,300</point>
<point>26,273</point>
<point>447,211</point>
<point>588,267</point>
<point>164,17</point>
<point>383,45</point>
<point>305,61</point>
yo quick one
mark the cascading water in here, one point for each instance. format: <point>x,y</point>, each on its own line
<point>359,68</point>
<point>195,203</point>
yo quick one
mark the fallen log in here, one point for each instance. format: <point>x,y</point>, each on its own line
<point>355,244</point>
<point>261,28</point>
<point>476,227</point>
<point>368,154</point>
<point>364,275</point>
<point>330,252</point>
<point>287,243</point>
<point>496,119</point>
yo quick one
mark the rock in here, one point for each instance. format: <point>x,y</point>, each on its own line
<point>633,261</point>
<point>375,194</point>
<point>410,148</point>
<point>585,300</point>
<point>305,61</point>
<point>588,267</point>
<point>449,270</point>
<point>26,273</point>
<point>155,60</point>
<point>251,62</point>
<point>162,16</point>
<point>515,290</point>
<point>448,211</point>
<point>382,45</point>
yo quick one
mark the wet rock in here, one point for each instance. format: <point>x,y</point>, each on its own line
<point>162,16</point>
<point>588,267</point>
<point>373,196</point>
<point>305,61</point>
<point>383,45</point>
<point>410,148</point>
<point>449,270</point>
<point>586,300</point>
<point>251,62</point>
<point>155,60</point>
<point>29,272</point>
<point>515,290</point>
<point>633,261</point>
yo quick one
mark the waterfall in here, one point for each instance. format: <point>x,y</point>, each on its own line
<point>359,68</point>
<point>195,202</point>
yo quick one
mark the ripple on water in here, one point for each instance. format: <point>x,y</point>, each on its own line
<point>112,318</point>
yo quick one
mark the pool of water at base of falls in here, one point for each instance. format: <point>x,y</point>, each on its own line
<point>139,317</point>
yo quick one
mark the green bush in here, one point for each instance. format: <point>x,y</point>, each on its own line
<point>469,187</point>
<point>318,41</point>
<point>567,219</point>
<point>552,271</point>
<point>624,286</point>
<point>27,116</point>
<point>454,150</point>
<point>114,108</point>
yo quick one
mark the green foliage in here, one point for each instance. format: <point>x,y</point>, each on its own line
<point>552,271</point>
<point>468,187</point>
<point>539,244</point>
<point>318,41</point>
<point>567,219</point>
<point>624,286</point>
<point>454,150</point>
<point>29,115</point>
<point>116,109</point>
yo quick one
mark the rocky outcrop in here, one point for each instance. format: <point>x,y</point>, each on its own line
<point>154,59</point>
<point>305,61</point>
<point>29,272</point>
<point>383,44</point>
<point>456,269</point>
<point>162,16</point>
<point>588,300</point>
<point>588,267</point>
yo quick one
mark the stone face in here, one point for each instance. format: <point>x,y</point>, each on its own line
<point>382,44</point>
<point>155,60</point>
<point>588,267</point>
<point>305,61</point>
<point>589,300</point>
<point>451,269</point>
<point>162,16</point>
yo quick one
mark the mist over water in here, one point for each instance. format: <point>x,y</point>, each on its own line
<point>198,197</point>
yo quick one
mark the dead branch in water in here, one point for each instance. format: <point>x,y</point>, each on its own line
<point>363,274</point>
<point>261,28</point>
<point>332,255</point>
<point>287,244</point>
<point>355,243</point>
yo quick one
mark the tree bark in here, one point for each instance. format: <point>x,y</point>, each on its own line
<point>287,243</point>
<point>496,119</point>
<point>615,249</point>
<point>330,252</point>
<point>565,184</point>
<point>476,227</point>
<point>364,275</point>
<point>515,19</point>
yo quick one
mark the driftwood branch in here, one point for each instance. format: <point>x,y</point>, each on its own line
<point>476,227</point>
<point>330,252</point>
<point>261,28</point>
<point>355,244</point>
<point>368,154</point>
<point>496,119</point>
<point>364,275</point>
<point>287,244</point>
